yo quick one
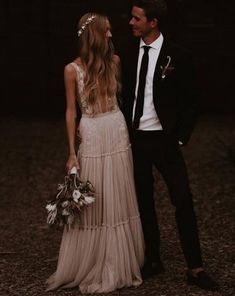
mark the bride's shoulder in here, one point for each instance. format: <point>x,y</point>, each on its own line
<point>69,72</point>
<point>73,67</point>
<point>78,61</point>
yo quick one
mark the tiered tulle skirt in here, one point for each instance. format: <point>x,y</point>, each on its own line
<point>105,252</point>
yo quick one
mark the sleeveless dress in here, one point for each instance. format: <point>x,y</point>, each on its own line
<point>105,250</point>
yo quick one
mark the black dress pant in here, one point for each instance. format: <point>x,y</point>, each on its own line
<point>161,150</point>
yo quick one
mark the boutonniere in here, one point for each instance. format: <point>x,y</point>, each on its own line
<point>167,69</point>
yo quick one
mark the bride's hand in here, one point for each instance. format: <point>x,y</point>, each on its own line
<point>72,162</point>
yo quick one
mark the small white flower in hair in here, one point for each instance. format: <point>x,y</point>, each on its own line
<point>87,22</point>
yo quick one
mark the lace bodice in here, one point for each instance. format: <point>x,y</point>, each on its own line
<point>86,108</point>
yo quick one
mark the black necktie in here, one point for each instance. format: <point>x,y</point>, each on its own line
<point>140,93</point>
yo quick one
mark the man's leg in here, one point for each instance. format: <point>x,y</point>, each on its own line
<point>144,188</point>
<point>171,164</point>
<point>173,170</point>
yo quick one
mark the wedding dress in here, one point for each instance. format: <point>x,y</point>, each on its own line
<point>106,250</point>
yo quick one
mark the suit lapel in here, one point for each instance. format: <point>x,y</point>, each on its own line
<point>133,65</point>
<point>162,60</point>
<point>135,59</point>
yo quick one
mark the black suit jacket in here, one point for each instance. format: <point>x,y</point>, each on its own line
<point>174,96</point>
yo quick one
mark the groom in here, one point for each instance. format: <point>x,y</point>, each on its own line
<point>160,109</point>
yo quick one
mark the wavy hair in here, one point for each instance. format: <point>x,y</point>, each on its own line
<point>96,52</point>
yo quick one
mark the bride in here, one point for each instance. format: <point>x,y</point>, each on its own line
<point>106,250</point>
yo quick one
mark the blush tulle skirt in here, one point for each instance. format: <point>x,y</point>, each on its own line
<point>105,251</point>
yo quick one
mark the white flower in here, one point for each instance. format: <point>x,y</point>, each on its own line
<point>65,204</point>
<point>51,217</point>
<point>70,219</point>
<point>89,199</point>
<point>87,22</point>
<point>65,212</point>
<point>51,207</point>
<point>60,186</point>
<point>81,202</point>
<point>76,195</point>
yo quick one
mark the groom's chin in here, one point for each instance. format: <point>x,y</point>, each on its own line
<point>136,33</point>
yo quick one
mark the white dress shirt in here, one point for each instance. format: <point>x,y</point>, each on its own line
<point>149,119</point>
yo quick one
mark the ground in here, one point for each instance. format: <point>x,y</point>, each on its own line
<point>32,163</point>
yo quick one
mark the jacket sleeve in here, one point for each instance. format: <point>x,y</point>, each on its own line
<point>188,98</point>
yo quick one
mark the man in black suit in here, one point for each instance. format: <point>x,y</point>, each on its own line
<point>160,109</point>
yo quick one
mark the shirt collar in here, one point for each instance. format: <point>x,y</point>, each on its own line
<point>156,44</point>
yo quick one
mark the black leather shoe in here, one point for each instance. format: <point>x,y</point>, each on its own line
<point>151,268</point>
<point>202,280</point>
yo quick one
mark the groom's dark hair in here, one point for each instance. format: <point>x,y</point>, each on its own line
<point>153,9</point>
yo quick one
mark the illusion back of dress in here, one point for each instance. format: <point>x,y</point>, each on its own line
<point>107,105</point>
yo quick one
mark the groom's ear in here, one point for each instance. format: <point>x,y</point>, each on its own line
<point>154,23</point>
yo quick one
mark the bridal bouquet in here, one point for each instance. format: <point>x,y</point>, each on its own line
<point>69,200</point>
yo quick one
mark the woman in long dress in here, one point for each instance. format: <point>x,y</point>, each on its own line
<point>105,251</point>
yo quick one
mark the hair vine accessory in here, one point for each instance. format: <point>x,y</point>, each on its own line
<point>87,22</point>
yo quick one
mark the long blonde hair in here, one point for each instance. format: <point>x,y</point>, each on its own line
<point>96,52</point>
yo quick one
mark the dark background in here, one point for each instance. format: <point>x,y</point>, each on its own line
<point>38,38</point>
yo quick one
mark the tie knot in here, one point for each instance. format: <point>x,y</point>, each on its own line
<point>146,48</point>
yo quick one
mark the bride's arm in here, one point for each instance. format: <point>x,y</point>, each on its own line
<point>71,115</point>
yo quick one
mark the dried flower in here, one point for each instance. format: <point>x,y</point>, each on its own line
<point>71,197</point>
<point>51,207</point>
<point>89,199</point>
<point>166,69</point>
<point>76,195</point>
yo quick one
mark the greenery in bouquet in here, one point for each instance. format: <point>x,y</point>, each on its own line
<point>72,196</point>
